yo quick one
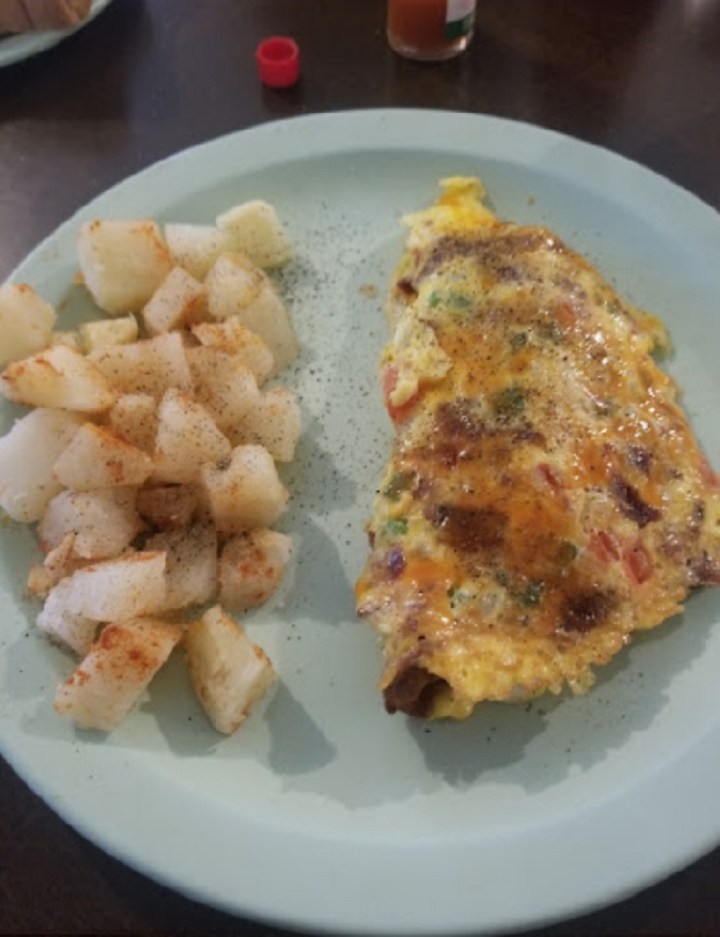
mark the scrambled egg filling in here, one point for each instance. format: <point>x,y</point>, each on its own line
<point>545,496</point>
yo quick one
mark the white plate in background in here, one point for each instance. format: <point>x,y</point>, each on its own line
<point>23,45</point>
<point>323,812</point>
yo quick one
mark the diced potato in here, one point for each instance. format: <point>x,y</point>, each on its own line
<point>229,672</point>
<point>149,366</point>
<point>58,563</point>
<point>191,569</point>
<point>26,322</point>
<point>59,378</point>
<point>168,507</point>
<point>61,623</point>
<point>274,422</point>
<point>255,229</point>
<point>27,456</point>
<point>233,282</point>
<point>102,332</point>
<point>267,316</point>
<point>178,300</point>
<point>103,522</point>
<point>95,458</point>
<point>244,491</point>
<point>251,568</point>
<point>112,590</point>
<point>187,438</point>
<point>122,263</point>
<point>237,288</point>
<point>116,671</point>
<point>224,385</point>
<point>168,439</point>
<point>133,417</point>
<point>234,338</point>
<point>69,339</point>
<point>196,247</point>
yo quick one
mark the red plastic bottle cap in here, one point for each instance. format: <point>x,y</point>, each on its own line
<point>278,59</point>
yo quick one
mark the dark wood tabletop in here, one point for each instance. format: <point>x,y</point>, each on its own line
<point>148,78</point>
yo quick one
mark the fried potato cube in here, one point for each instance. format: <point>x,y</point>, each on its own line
<point>178,300</point>
<point>251,568</point>
<point>191,568</point>
<point>149,366</point>
<point>196,247</point>
<point>96,458</point>
<point>224,385</point>
<point>234,338</point>
<point>244,491</point>
<point>122,263</point>
<point>267,316</point>
<point>255,229</point>
<point>102,332</point>
<point>60,378</point>
<point>133,417</point>
<point>69,338</point>
<point>28,453</point>
<point>232,282</point>
<point>237,288</point>
<point>229,672</point>
<point>111,590</point>
<point>64,625</point>
<point>167,507</point>
<point>26,322</point>
<point>103,522</point>
<point>59,562</point>
<point>116,671</point>
<point>274,422</point>
<point>187,438</point>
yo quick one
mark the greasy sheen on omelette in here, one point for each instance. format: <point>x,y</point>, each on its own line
<point>545,495</point>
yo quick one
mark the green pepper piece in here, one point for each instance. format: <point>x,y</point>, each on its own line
<point>531,594</point>
<point>399,482</point>
<point>395,527</point>
<point>509,401</point>
<point>565,553</point>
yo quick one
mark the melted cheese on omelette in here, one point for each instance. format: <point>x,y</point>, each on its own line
<point>545,496</point>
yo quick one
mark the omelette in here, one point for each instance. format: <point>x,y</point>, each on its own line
<point>545,496</point>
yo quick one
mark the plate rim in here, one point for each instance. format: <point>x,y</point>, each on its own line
<point>371,126</point>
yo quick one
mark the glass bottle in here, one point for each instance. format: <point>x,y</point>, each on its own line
<point>430,30</point>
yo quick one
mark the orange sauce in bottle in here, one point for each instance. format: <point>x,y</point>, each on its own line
<point>430,30</point>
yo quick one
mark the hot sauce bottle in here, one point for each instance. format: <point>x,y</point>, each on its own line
<point>430,30</point>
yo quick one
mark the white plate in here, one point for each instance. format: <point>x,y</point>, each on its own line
<point>24,45</point>
<point>324,812</point>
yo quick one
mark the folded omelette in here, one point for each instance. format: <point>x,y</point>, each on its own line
<point>545,496</point>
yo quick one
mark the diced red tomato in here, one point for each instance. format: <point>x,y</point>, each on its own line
<point>552,478</point>
<point>635,559</point>
<point>389,380</point>
<point>638,565</point>
<point>605,546</point>
<point>565,315</point>
<point>549,475</point>
<point>389,383</point>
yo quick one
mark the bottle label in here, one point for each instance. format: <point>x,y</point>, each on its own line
<point>459,18</point>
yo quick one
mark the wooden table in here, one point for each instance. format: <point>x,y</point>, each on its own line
<point>147,79</point>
